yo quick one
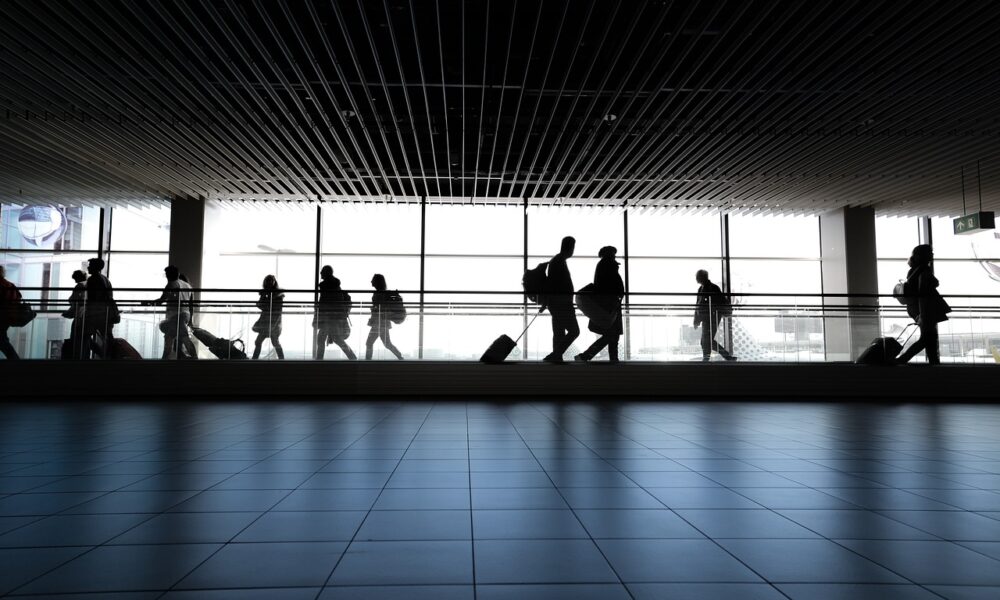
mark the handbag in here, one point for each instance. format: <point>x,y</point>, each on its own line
<point>22,315</point>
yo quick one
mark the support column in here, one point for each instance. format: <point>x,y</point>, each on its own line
<point>627,325</point>
<point>187,237</point>
<point>849,266</point>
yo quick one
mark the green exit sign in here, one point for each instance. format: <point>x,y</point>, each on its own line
<point>973,223</point>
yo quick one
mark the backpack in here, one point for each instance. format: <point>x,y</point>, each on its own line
<point>726,308</point>
<point>535,282</point>
<point>395,308</point>
<point>342,304</point>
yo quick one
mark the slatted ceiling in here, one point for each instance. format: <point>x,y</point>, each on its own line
<point>693,107</point>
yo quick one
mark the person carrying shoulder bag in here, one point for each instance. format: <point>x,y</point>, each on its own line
<point>924,305</point>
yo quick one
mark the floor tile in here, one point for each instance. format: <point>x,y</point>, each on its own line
<point>244,594</point>
<point>854,524</point>
<point>133,502</point>
<point>123,568</point>
<point>231,501</point>
<point>744,523</point>
<point>855,591</point>
<point>21,565</point>
<point>802,498</point>
<point>540,561</point>
<point>42,504</point>
<point>930,562</point>
<point>517,498</point>
<point>279,564</point>
<point>526,524</point>
<point>966,592</point>
<point>949,525</point>
<point>307,526</point>
<point>188,528</point>
<point>680,498</point>
<point>512,479</point>
<point>563,591</point>
<point>71,530</point>
<point>407,592</point>
<point>636,524</point>
<point>405,563</point>
<point>334,481</point>
<point>799,561</point>
<point>301,500</point>
<point>886,499</point>
<point>262,481</point>
<point>422,499</point>
<point>639,561</point>
<point>384,525</point>
<point>704,591</point>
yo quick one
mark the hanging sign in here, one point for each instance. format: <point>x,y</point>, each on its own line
<point>973,223</point>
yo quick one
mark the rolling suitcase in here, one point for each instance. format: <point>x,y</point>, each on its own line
<point>122,350</point>
<point>501,347</point>
<point>884,350</point>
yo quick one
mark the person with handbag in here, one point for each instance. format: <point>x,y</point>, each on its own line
<point>332,321</point>
<point>924,305</point>
<point>379,321</point>
<point>10,301</point>
<point>710,306</point>
<point>608,290</point>
<point>268,326</point>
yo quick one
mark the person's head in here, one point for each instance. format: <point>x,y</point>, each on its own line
<point>568,246</point>
<point>608,252</point>
<point>95,265</point>
<point>701,276</point>
<point>378,281</point>
<point>326,272</point>
<point>270,283</point>
<point>921,256</point>
<point>79,276</point>
<point>3,272</point>
<point>172,273</point>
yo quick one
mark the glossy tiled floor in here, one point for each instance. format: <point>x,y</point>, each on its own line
<point>452,500</point>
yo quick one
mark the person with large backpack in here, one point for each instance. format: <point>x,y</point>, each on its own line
<point>332,315</point>
<point>384,308</point>
<point>711,305</point>
<point>559,300</point>
<point>608,291</point>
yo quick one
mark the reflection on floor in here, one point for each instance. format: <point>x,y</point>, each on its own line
<point>532,500</point>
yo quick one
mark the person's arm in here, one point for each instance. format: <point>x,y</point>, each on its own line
<point>163,298</point>
<point>925,295</point>
<point>697,309</point>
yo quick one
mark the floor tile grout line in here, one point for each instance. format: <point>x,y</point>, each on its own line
<point>347,547</point>
<point>105,543</point>
<point>290,492</point>
<point>674,512</point>
<point>570,507</point>
<point>784,517</point>
<point>152,516</point>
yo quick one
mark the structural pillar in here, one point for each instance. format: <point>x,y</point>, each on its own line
<point>187,235</point>
<point>849,266</point>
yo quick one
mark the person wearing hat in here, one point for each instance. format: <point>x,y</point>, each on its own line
<point>609,290</point>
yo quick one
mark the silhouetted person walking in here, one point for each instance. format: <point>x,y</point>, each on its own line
<point>75,313</point>
<point>332,310</point>
<point>559,298</point>
<point>178,299</point>
<point>609,289</point>
<point>379,321</point>
<point>924,305</point>
<point>101,313</point>
<point>268,326</point>
<point>10,299</point>
<point>709,308</point>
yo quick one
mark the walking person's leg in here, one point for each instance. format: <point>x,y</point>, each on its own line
<point>257,343</point>
<point>716,345</point>
<point>277,346</point>
<point>5,346</point>
<point>929,334</point>
<point>320,339</point>
<point>594,348</point>
<point>345,348</point>
<point>706,340</point>
<point>370,343</point>
<point>384,334</point>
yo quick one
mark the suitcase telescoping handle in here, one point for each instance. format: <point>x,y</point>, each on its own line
<point>905,329</point>
<point>529,325</point>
